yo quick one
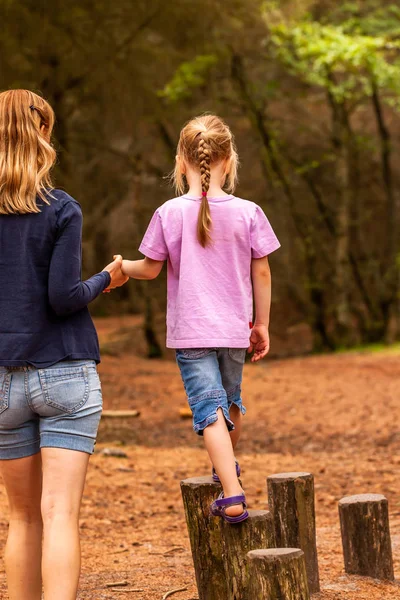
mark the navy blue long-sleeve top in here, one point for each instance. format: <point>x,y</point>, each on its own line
<point>44,317</point>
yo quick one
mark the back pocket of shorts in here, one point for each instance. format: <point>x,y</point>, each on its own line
<point>66,389</point>
<point>5,380</point>
<point>238,355</point>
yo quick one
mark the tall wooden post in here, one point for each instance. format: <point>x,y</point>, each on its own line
<point>292,504</point>
<point>205,537</point>
<point>277,574</point>
<point>237,540</point>
<point>364,523</point>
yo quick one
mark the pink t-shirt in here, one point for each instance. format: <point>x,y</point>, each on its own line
<point>210,296</point>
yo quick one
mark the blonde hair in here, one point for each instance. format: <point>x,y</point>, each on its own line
<point>204,141</point>
<point>26,153</point>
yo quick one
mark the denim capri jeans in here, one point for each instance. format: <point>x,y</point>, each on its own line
<point>56,407</point>
<point>212,378</point>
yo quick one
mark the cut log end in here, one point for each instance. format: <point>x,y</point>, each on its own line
<point>276,554</point>
<point>288,476</point>
<point>362,498</point>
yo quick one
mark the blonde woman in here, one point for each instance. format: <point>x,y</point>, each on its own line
<point>50,394</point>
<point>217,248</point>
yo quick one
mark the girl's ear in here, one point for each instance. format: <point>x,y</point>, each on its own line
<point>227,166</point>
<point>181,164</point>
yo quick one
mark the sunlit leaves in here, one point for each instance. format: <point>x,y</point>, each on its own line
<point>346,64</point>
<point>189,76</point>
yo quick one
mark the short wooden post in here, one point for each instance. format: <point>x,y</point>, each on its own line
<point>364,523</point>
<point>205,536</point>
<point>237,540</point>
<point>277,574</point>
<point>292,504</point>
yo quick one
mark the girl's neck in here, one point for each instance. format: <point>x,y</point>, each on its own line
<point>214,191</point>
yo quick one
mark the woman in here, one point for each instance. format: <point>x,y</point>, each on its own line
<point>50,394</point>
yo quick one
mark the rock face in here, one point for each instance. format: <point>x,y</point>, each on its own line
<point>278,574</point>
<point>364,523</point>
<point>292,504</point>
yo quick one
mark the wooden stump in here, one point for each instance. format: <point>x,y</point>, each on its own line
<point>292,504</point>
<point>205,537</point>
<point>277,574</point>
<point>237,540</point>
<point>364,522</point>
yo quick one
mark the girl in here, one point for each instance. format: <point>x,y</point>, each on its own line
<point>50,395</point>
<point>217,247</point>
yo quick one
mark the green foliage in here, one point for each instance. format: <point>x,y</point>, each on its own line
<point>189,76</point>
<point>348,65</point>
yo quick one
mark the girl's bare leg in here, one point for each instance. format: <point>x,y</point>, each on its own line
<point>219,446</point>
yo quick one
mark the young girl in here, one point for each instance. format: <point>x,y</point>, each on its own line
<point>50,393</point>
<point>216,246</point>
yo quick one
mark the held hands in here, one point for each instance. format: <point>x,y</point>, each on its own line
<point>259,342</point>
<point>117,276</point>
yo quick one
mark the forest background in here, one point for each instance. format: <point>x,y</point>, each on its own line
<point>311,90</point>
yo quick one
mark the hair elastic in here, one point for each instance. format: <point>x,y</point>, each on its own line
<point>204,194</point>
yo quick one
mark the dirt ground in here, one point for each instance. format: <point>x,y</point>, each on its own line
<point>335,416</point>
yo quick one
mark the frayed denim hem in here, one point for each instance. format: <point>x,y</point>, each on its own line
<point>213,418</point>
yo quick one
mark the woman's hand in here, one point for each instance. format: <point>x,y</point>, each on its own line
<point>117,277</point>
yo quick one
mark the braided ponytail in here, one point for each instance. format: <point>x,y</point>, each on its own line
<point>204,219</point>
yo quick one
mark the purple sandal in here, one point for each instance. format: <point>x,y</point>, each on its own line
<point>218,507</point>
<point>217,479</point>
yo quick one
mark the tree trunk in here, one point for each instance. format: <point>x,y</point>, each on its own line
<point>205,537</point>
<point>391,306</point>
<point>237,540</point>
<point>292,504</point>
<point>278,574</point>
<point>364,523</point>
<point>341,143</point>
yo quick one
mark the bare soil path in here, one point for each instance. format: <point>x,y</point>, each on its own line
<point>336,416</point>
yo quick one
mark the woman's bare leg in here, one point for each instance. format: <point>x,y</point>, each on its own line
<point>64,474</point>
<point>23,553</point>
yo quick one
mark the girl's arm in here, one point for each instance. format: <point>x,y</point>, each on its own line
<point>261,277</point>
<point>142,269</point>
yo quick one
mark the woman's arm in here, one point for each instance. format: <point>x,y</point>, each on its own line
<point>67,293</point>
<point>261,277</point>
<point>142,269</point>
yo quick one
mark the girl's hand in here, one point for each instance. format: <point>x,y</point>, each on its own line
<point>259,342</point>
<point>117,276</point>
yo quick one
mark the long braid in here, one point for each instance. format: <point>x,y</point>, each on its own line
<point>204,220</point>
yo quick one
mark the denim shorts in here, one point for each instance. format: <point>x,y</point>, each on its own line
<point>212,378</point>
<point>56,407</point>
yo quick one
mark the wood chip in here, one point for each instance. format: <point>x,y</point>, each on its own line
<point>185,413</point>
<point>168,594</point>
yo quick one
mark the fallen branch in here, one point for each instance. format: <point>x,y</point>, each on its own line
<point>120,414</point>
<point>128,590</point>
<point>116,584</point>
<point>168,594</point>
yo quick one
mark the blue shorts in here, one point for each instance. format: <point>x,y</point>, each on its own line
<point>56,407</point>
<point>212,378</point>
